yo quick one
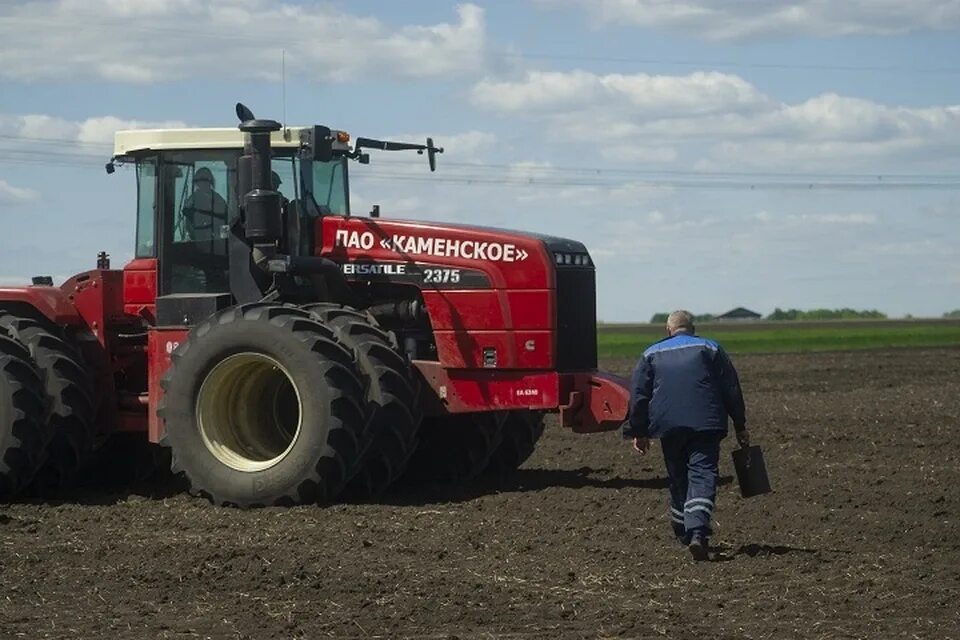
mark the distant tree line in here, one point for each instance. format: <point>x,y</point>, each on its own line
<point>952,314</point>
<point>798,314</point>
<point>826,314</point>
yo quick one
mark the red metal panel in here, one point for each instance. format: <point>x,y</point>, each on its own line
<point>52,302</point>
<point>464,349</point>
<point>140,287</point>
<point>98,298</point>
<point>531,309</point>
<point>455,391</point>
<point>460,310</point>
<point>160,344</point>
<point>588,402</point>
<point>520,271</point>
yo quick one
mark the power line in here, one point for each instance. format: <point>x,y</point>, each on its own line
<point>672,184</point>
<point>739,64</point>
<point>868,175</point>
<point>539,172</point>
<point>916,183</point>
<point>58,141</point>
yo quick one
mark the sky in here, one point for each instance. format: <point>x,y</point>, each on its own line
<point>709,154</point>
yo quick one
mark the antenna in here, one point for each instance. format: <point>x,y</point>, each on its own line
<point>283,84</point>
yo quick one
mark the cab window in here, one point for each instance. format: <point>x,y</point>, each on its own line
<point>146,208</point>
<point>329,186</point>
<point>199,200</point>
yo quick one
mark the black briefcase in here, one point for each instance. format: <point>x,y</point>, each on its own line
<point>751,471</point>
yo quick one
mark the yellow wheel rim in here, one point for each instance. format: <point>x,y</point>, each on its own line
<point>249,412</point>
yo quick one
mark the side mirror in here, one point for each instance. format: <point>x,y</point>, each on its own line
<point>432,154</point>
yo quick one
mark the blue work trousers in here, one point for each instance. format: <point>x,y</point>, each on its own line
<point>691,458</point>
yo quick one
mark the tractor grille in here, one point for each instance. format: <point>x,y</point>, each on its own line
<point>576,318</point>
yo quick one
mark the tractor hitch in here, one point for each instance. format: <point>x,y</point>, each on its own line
<point>595,402</point>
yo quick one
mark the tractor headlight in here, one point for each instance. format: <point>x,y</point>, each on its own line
<point>571,259</point>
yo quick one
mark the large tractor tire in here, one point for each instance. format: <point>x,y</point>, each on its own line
<point>392,391</point>
<point>457,447</point>
<point>264,406</point>
<point>68,388</point>
<point>521,431</point>
<point>23,426</point>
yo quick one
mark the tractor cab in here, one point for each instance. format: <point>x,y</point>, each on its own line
<point>189,196</point>
<point>230,215</point>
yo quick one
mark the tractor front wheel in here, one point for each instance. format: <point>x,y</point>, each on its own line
<point>392,391</point>
<point>264,406</point>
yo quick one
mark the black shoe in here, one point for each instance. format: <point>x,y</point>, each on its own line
<point>684,540</point>
<point>699,548</point>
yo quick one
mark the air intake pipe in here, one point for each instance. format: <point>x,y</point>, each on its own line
<point>262,209</point>
<point>263,229</point>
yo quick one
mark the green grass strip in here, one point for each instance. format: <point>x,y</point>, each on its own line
<point>630,342</point>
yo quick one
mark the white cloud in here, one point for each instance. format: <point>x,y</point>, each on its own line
<point>927,247</point>
<point>640,154</point>
<point>102,129</point>
<point>725,20</point>
<point>942,209</point>
<point>160,40</point>
<point>468,144</point>
<point>529,170</point>
<point>11,195</point>
<point>720,120</point>
<point>650,96</point>
<point>91,135</point>
<point>816,219</point>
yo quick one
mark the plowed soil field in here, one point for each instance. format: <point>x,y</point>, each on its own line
<point>861,538</point>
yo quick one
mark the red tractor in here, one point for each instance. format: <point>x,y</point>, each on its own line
<point>283,348</point>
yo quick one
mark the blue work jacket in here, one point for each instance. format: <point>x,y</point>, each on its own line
<point>684,381</point>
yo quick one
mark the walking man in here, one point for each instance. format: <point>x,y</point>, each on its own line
<point>682,392</point>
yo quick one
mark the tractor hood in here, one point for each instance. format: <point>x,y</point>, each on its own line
<point>506,258</point>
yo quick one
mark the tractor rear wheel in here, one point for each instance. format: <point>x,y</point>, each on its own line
<point>68,388</point>
<point>264,406</point>
<point>392,391</point>
<point>521,431</point>
<point>456,447</point>
<point>24,432</point>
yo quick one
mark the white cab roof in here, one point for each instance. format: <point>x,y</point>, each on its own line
<point>126,142</point>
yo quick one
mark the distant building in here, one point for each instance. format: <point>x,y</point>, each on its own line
<point>738,314</point>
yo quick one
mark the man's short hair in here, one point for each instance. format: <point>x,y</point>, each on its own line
<point>680,320</point>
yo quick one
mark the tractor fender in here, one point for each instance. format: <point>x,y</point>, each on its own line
<point>50,302</point>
